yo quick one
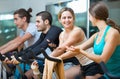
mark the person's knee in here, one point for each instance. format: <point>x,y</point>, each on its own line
<point>72,72</point>
<point>67,76</point>
<point>97,76</point>
<point>29,74</point>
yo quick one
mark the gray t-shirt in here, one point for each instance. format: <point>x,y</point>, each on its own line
<point>32,29</point>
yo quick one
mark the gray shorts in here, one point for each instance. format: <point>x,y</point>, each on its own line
<point>68,65</point>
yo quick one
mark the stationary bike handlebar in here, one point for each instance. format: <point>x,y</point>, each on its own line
<point>48,57</point>
<point>42,51</point>
<point>27,60</point>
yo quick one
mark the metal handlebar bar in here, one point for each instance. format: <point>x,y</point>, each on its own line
<point>2,58</point>
<point>27,60</point>
<point>48,57</point>
<point>42,51</point>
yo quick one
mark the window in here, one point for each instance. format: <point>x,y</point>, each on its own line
<point>8,29</point>
<point>80,10</point>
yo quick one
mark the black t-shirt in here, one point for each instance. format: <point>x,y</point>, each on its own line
<point>52,35</point>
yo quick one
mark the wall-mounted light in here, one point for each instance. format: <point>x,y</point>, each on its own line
<point>79,6</point>
<point>6,16</point>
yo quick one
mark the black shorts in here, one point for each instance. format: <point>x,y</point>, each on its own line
<point>91,69</point>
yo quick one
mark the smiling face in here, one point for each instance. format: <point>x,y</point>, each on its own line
<point>66,19</point>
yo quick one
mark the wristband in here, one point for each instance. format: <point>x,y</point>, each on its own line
<point>35,70</point>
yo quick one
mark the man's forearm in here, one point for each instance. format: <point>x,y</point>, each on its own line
<point>4,46</point>
<point>9,48</point>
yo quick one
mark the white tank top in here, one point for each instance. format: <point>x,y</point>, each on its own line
<point>83,60</point>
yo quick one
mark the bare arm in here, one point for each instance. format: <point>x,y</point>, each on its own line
<point>87,44</point>
<point>9,43</point>
<point>75,37</point>
<point>15,43</point>
<point>68,54</point>
<point>108,49</point>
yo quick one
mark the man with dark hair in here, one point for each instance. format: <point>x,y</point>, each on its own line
<point>49,32</point>
<point>28,34</point>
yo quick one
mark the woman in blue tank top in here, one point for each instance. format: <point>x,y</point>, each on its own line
<point>106,42</point>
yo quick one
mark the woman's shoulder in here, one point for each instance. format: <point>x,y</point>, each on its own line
<point>113,34</point>
<point>113,31</point>
<point>77,29</point>
<point>61,34</point>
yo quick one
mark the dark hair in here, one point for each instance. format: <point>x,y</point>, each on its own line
<point>23,13</point>
<point>99,10</point>
<point>45,15</point>
<point>66,9</point>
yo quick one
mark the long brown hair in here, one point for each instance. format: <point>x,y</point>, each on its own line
<point>99,10</point>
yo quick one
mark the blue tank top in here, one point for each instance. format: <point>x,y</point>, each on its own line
<point>113,63</point>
